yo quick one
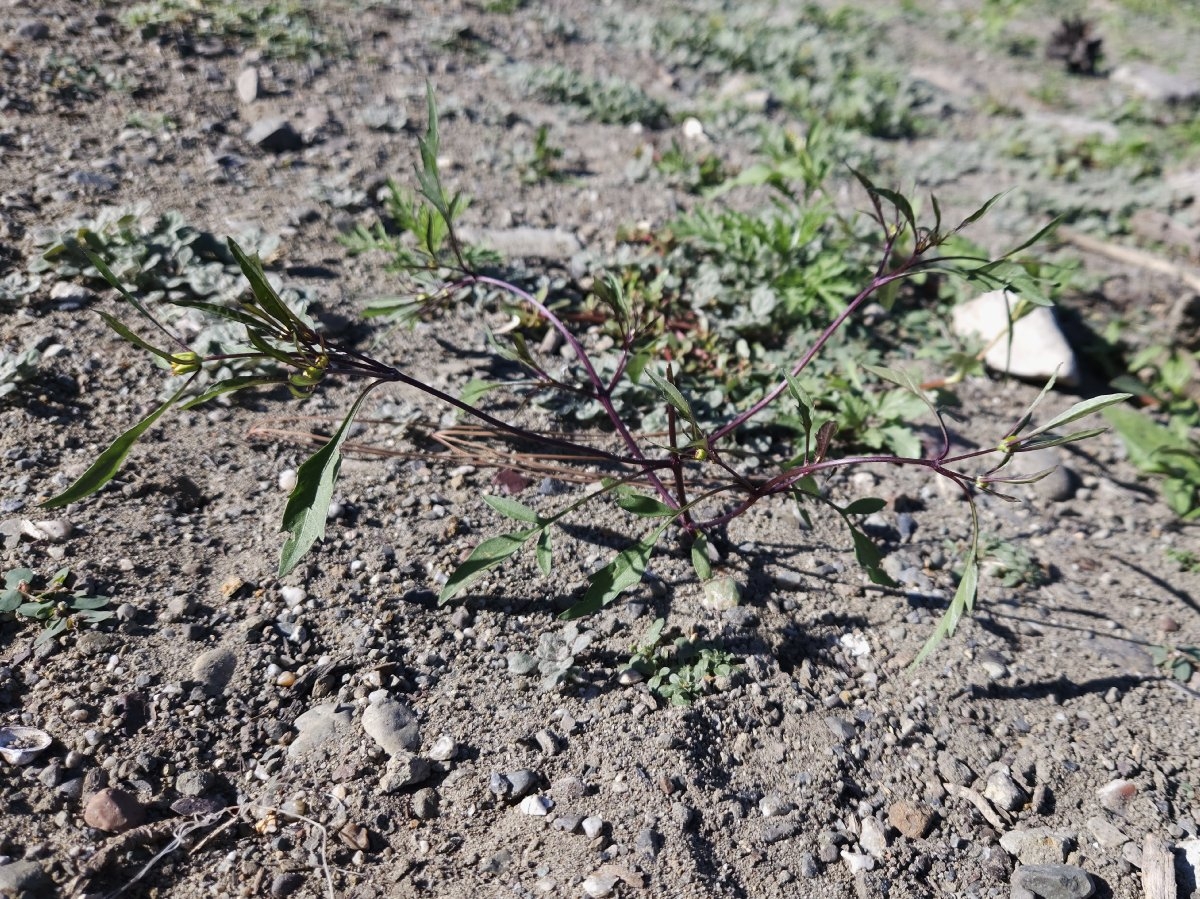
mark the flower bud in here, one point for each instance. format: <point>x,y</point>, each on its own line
<point>185,363</point>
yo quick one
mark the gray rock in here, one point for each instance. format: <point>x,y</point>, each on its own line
<point>1155,84</point>
<point>247,84</point>
<point>1005,792</point>
<point>392,725</point>
<point>953,769</point>
<point>195,783</point>
<point>1037,845</point>
<point>1107,834</point>
<point>275,135</point>
<point>809,866</point>
<point>23,879</point>
<point>32,30</point>
<point>567,823</point>
<point>425,803</point>
<point>1051,882</point>
<point>841,728</point>
<point>773,805</point>
<point>872,837</point>
<point>444,749</point>
<point>647,843</point>
<point>525,242</point>
<point>779,829</point>
<point>320,727</point>
<point>286,884</point>
<point>404,770</point>
<point>521,782</point>
<point>1037,347</point>
<point>212,670</point>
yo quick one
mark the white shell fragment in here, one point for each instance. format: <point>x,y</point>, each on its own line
<point>20,745</point>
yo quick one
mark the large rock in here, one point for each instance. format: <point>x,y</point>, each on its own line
<point>1037,348</point>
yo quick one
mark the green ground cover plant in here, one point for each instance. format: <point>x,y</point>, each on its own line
<point>51,601</point>
<point>707,466</point>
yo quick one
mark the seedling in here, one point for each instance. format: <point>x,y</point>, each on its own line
<point>681,671</point>
<point>693,479</point>
<point>1177,661</point>
<point>53,603</point>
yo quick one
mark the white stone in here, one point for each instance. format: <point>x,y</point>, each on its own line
<point>872,837</point>
<point>1038,348</point>
<point>537,806</point>
<point>592,827</point>
<point>693,129</point>
<point>287,480</point>
<point>599,885</point>
<point>856,861</point>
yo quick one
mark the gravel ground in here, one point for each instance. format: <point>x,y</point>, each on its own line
<point>336,732</point>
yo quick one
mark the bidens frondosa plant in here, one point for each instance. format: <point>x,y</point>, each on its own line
<point>689,479</point>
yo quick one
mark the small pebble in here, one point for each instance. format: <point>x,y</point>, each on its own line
<point>113,811</point>
<point>537,806</point>
<point>287,480</point>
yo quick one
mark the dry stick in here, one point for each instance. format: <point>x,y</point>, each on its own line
<point>1158,869</point>
<point>1130,256</point>
<point>989,812</point>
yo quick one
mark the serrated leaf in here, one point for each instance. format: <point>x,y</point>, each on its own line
<point>109,462</point>
<point>645,506</point>
<point>619,575</point>
<point>700,562</point>
<point>963,602</point>
<point>1080,410</point>
<point>486,555</point>
<point>510,508</point>
<point>545,560</point>
<point>308,504</point>
<point>868,505</point>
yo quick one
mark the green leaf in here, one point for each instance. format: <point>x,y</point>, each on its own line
<point>89,602</point>
<point>619,575</point>
<point>544,559</point>
<point>869,557</point>
<point>979,213</point>
<point>134,338</point>
<point>1080,410</point>
<point>230,385</point>
<point>645,506</point>
<point>267,298</point>
<point>824,436</point>
<point>1182,671</point>
<point>700,561</point>
<point>902,379</point>
<point>868,505</point>
<point>510,508</point>
<point>308,504</point>
<point>10,600</point>
<point>804,404</point>
<point>109,462</point>
<point>1049,440</point>
<point>18,576</point>
<point>1054,223</point>
<point>901,203</point>
<point>963,602</point>
<point>218,311</point>
<point>672,395</point>
<point>488,554</point>
<point>91,617</point>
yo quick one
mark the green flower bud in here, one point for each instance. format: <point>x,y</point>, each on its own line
<point>185,363</point>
